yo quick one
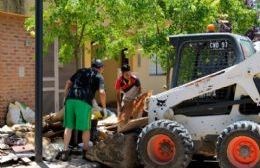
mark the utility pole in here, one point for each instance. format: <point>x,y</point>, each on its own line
<point>38,80</point>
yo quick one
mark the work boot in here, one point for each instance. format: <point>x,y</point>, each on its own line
<point>84,152</point>
<point>65,156</point>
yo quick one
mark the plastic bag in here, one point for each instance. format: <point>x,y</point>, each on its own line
<point>13,115</point>
<point>27,113</point>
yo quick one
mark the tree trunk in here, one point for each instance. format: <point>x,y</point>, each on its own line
<point>76,57</point>
<point>78,45</point>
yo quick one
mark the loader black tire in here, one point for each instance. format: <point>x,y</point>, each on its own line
<point>238,145</point>
<point>175,145</point>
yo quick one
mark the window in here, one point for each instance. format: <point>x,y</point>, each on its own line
<point>154,66</point>
<point>247,48</point>
<point>201,58</point>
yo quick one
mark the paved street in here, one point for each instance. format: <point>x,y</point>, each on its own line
<point>77,162</point>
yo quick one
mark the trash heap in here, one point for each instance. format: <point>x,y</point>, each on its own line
<point>115,145</point>
<point>113,138</point>
<point>17,138</point>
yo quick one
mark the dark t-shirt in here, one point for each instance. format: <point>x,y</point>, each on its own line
<point>85,83</point>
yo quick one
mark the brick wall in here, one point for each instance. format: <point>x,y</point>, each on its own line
<point>16,63</point>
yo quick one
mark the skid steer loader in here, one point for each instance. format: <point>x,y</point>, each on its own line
<point>212,107</point>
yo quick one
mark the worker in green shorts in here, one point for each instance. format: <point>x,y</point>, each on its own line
<point>79,92</point>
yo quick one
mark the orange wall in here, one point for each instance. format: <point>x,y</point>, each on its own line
<point>110,76</point>
<point>148,82</point>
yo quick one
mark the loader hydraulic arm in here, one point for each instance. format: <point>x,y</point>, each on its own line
<point>241,74</point>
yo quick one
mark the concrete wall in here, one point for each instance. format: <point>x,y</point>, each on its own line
<point>148,82</point>
<point>140,68</point>
<point>16,63</point>
<point>110,76</point>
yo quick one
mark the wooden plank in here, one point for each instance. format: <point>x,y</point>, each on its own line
<point>52,134</point>
<point>133,124</point>
<point>54,117</point>
<point>133,109</point>
<point>25,160</point>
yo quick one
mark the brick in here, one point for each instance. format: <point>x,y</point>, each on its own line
<point>13,53</point>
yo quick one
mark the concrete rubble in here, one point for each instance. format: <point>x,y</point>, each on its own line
<point>17,142</point>
<point>17,138</point>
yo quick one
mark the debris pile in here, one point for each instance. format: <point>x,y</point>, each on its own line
<point>113,138</point>
<point>17,138</point>
<point>116,141</point>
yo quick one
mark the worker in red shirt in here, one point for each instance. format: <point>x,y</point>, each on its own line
<point>128,87</point>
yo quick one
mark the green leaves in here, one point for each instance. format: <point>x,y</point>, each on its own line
<point>113,25</point>
<point>236,12</point>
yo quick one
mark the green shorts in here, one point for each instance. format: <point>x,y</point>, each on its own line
<point>77,115</point>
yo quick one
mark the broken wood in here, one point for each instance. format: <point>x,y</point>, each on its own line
<point>25,160</point>
<point>133,125</point>
<point>139,105</point>
<point>111,120</point>
<point>53,126</point>
<point>111,127</point>
<point>54,117</point>
<point>52,134</point>
<point>133,109</point>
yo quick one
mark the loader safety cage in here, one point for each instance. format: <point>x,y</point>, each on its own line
<point>198,55</point>
<point>218,43</point>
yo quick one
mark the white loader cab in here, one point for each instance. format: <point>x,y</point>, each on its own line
<point>212,107</point>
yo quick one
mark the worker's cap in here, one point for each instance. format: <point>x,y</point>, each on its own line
<point>125,68</point>
<point>97,63</point>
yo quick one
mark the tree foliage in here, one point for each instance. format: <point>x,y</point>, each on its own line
<point>113,25</point>
<point>71,21</point>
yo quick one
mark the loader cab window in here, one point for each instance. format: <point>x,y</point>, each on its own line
<point>247,48</point>
<point>200,58</point>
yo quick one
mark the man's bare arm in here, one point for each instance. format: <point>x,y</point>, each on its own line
<point>102,96</point>
<point>118,100</point>
<point>67,87</point>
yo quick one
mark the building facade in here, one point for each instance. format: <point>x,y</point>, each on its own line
<point>17,51</point>
<point>17,65</point>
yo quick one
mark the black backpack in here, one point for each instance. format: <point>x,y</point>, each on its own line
<point>84,84</point>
